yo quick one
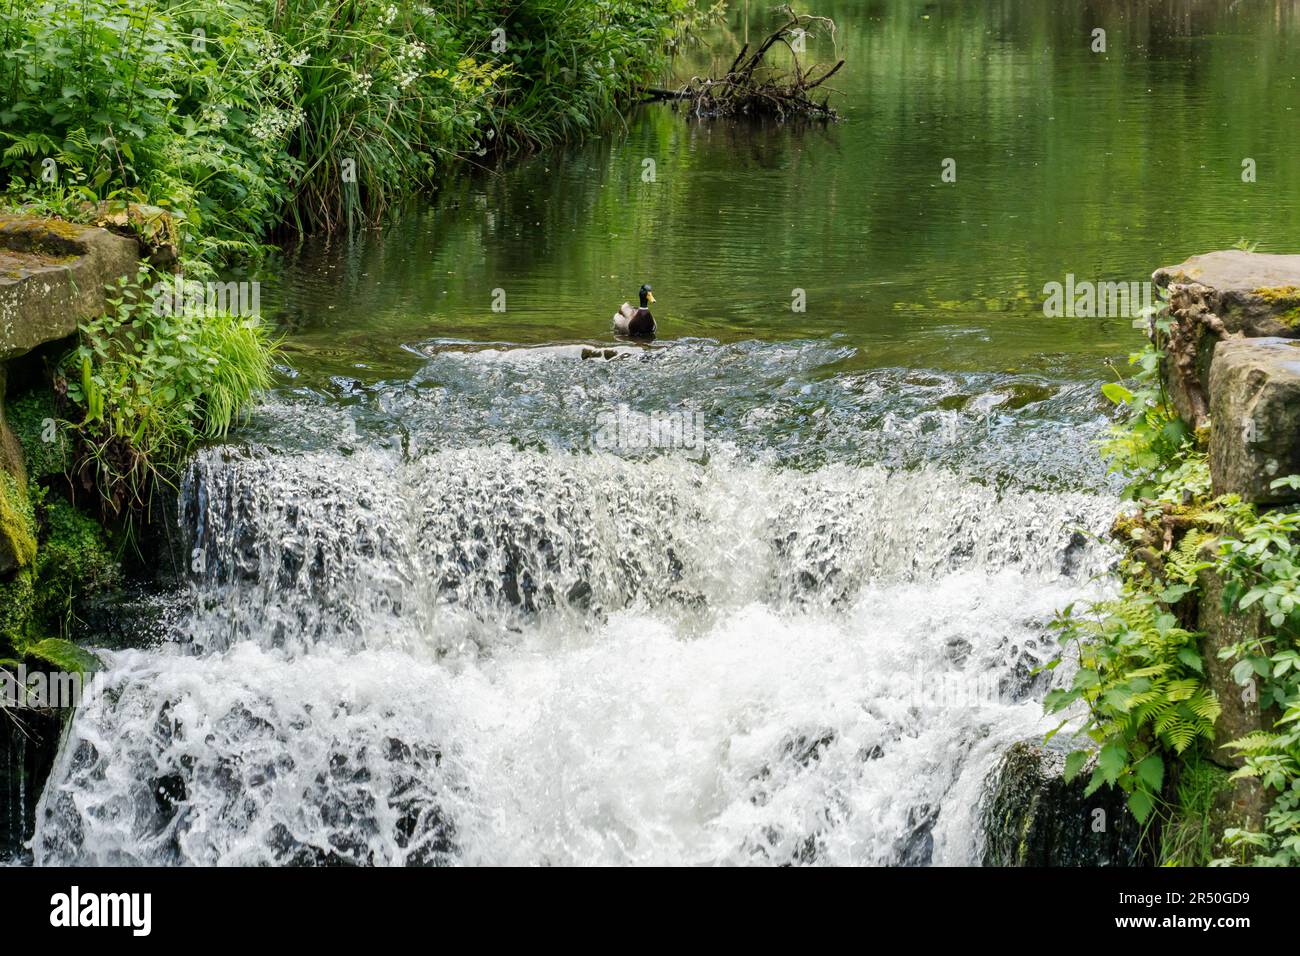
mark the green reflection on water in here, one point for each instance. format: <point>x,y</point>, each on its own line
<point>1104,166</point>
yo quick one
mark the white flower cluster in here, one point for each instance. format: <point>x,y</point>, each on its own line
<point>276,124</point>
<point>409,62</point>
<point>360,84</point>
<point>214,114</point>
<point>388,16</point>
<point>268,53</point>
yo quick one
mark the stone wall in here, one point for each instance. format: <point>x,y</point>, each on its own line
<point>1233,365</point>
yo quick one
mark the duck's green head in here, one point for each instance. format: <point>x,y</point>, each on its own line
<point>647,297</point>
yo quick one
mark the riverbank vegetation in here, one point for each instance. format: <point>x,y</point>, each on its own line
<point>250,120</point>
<point>1150,709</point>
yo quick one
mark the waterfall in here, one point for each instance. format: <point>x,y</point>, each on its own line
<point>436,626</point>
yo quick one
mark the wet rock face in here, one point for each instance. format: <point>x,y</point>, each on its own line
<point>1032,817</point>
<point>52,275</point>
<point>1255,418</point>
<point>17,536</point>
<point>29,742</point>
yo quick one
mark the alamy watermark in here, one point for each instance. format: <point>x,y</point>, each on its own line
<point>1084,299</point>
<point>48,690</point>
<point>182,296</point>
<point>625,429</point>
<point>929,690</point>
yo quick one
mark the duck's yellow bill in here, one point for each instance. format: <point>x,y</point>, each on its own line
<point>650,297</point>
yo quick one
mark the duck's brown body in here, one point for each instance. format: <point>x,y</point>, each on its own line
<point>630,320</point>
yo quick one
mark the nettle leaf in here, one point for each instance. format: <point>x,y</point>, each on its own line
<point>1085,677</point>
<point>1151,771</point>
<point>1141,803</point>
<point>1112,761</point>
<point>1074,763</point>
<point>1058,699</point>
<point>1192,659</point>
<point>1095,783</point>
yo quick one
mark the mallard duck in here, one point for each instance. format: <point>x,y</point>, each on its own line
<point>638,322</point>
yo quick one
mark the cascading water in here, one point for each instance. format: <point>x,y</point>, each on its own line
<point>428,623</point>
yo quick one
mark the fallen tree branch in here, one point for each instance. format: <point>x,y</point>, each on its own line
<point>751,88</point>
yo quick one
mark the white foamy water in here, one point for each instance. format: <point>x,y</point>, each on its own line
<point>487,655</point>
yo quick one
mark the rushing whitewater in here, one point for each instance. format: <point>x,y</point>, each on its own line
<point>434,624</point>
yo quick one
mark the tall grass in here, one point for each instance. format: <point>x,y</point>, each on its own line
<point>248,118</point>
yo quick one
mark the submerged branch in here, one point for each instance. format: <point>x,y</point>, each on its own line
<point>750,88</point>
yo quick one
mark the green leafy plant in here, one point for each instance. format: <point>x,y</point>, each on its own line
<point>1150,436</point>
<point>148,387</point>
<point>1141,677</point>
<point>1261,569</point>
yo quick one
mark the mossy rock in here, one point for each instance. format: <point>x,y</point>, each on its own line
<point>1255,294</point>
<point>45,445</point>
<point>1032,816</point>
<point>52,275</point>
<point>74,561</point>
<point>17,527</point>
<point>17,598</point>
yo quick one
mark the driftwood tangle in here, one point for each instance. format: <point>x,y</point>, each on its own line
<point>749,88</point>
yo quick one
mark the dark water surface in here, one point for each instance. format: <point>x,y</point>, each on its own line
<point>1068,161</point>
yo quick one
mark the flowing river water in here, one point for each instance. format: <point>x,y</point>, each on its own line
<point>448,605</point>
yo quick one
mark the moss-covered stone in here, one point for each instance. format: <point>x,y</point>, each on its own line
<point>74,561</point>
<point>52,275</point>
<point>16,601</point>
<point>17,528</point>
<point>44,444</point>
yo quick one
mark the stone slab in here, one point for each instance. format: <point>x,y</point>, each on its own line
<point>1255,418</point>
<point>52,275</point>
